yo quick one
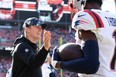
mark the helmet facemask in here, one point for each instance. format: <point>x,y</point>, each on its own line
<point>77,4</point>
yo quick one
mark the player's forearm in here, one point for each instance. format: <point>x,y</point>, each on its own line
<point>89,64</point>
<point>80,66</point>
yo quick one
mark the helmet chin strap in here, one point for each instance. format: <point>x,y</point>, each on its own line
<point>83,3</point>
<point>82,7</point>
<point>76,4</point>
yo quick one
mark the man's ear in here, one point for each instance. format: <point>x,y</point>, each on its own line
<point>27,29</point>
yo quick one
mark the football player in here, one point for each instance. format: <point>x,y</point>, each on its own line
<point>95,31</point>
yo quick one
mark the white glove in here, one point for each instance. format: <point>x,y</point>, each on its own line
<point>55,57</point>
<point>9,74</point>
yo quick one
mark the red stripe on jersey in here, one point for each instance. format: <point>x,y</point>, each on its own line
<point>102,25</point>
<point>96,17</point>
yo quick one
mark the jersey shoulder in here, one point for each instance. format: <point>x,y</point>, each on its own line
<point>84,20</point>
<point>93,19</point>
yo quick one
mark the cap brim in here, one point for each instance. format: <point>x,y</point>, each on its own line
<point>44,25</point>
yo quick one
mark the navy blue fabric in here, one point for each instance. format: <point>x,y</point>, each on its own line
<point>55,55</point>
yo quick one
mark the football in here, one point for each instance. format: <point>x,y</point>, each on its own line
<point>70,51</point>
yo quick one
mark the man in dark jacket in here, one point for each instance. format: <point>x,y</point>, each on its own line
<point>26,58</point>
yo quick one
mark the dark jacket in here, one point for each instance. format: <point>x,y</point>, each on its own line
<point>26,59</point>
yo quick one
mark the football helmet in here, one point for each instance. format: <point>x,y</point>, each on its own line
<point>77,4</point>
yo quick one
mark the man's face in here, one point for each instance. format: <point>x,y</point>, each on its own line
<point>35,32</point>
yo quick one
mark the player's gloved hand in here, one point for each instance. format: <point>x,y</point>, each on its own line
<point>55,57</point>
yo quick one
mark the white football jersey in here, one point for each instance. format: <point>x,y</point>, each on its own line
<point>46,70</point>
<point>103,24</point>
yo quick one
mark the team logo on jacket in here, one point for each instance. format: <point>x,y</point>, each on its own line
<point>26,50</point>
